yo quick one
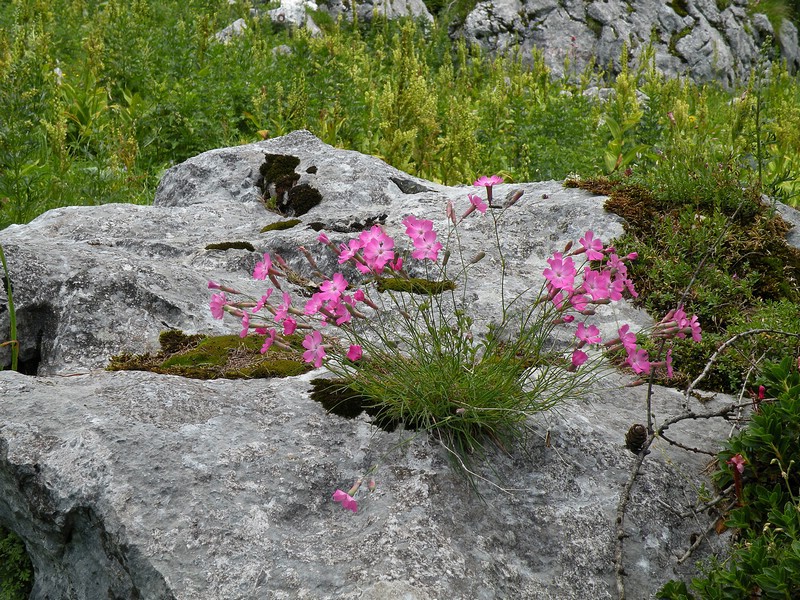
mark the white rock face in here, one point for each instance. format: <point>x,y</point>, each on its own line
<point>129,484</point>
<point>702,42</point>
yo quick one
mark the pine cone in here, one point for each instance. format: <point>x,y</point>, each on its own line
<point>635,438</point>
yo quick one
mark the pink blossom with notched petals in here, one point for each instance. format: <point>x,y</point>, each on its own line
<point>245,324</point>
<point>427,247</point>
<point>416,228</point>
<point>378,252</point>
<point>262,301</point>
<point>355,353</point>
<point>589,335</point>
<point>270,339</point>
<point>638,360</point>
<point>579,357</point>
<point>346,500</point>
<point>597,284</point>
<point>478,203</point>
<point>561,272</point>
<point>333,288</point>
<point>289,326</point>
<point>490,181</point>
<point>283,309</point>
<point>264,268</point>
<point>315,352</point>
<point>218,301</point>
<point>593,247</point>
<point>349,250</point>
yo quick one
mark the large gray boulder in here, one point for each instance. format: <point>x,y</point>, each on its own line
<point>138,485</point>
<point>693,38</point>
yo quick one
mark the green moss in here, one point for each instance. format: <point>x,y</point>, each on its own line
<point>214,357</point>
<point>281,225</point>
<point>414,285</point>
<point>302,198</point>
<point>680,7</point>
<point>279,169</point>
<point>338,398</point>
<point>231,246</point>
<point>595,25</point>
<point>677,37</point>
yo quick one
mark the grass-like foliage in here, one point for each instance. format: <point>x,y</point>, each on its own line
<point>761,463</point>
<point>12,314</point>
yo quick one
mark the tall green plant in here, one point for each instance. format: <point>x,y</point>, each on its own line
<point>12,315</point>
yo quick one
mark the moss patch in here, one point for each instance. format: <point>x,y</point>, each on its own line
<point>338,398</point>
<point>231,246</point>
<point>281,225</point>
<point>414,285</point>
<point>751,280</point>
<point>215,357</point>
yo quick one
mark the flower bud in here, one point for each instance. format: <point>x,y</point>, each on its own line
<point>477,258</point>
<point>514,199</point>
<point>445,258</point>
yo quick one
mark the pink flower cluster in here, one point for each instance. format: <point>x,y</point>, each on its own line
<point>347,499</point>
<point>577,289</point>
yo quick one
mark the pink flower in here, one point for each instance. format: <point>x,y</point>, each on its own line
<point>323,239</point>
<point>314,304</point>
<point>354,353</point>
<point>333,288</point>
<point>478,203</point>
<point>427,247</point>
<point>592,247</point>
<point>315,352</point>
<point>218,301</point>
<point>346,499</point>
<point>561,273</point>
<point>579,302</point>
<point>378,252</point>
<point>289,326</point>
<point>597,284</point>
<point>627,338</point>
<point>346,252</point>
<point>416,228</point>
<point>669,364</point>
<point>588,335</point>
<point>262,301</point>
<point>264,268</point>
<point>270,339</point>
<point>579,357</point>
<point>213,285</point>
<point>488,181</point>
<point>283,308</point>
<point>695,328</point>
<point>245,324</point>
<point>737,462</point>
<point>638,360</point>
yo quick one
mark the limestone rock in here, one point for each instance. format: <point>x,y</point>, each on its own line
<point>132,484</point>
<point>702,41</point>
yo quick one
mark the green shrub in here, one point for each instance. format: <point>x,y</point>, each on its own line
<point>766,561</point>
<point>16,571</point>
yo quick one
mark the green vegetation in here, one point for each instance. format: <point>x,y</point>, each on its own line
<point>765,562</point>
<point>16,571</point>
<point>212,357</point>
<point>97,99</point>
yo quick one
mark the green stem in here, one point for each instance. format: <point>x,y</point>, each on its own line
<point>12,315</point>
